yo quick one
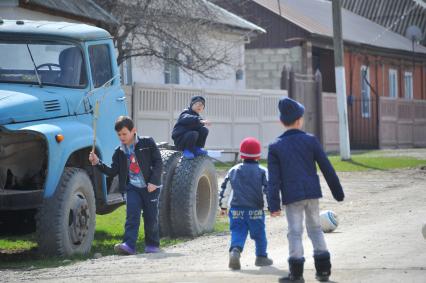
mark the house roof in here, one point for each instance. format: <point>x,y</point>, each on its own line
<point>315,16</point>
<point>388,13</point>
<point>48,30</point>
<point>227,18</point>
<point>81,8</point>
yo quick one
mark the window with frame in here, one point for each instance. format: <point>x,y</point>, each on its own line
<point>171,69</point>
<point>408,85</point>
<point>365,93</point>
<point>100,64</point>
<point>393,83</point>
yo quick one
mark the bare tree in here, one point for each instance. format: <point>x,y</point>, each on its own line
<point>171,30</point>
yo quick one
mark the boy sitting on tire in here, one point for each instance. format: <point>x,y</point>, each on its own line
<point>190,132</point>
<point>248,184</point>
<point>137,161</point>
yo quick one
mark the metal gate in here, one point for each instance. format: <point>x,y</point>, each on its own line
<point>305,88</point>
<point>363,122</point>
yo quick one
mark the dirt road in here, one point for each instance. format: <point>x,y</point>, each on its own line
<point>379,240</point>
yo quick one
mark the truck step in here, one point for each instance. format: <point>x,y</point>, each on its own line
<point>114,198</point>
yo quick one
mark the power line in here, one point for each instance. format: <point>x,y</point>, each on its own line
<point>394,23</point>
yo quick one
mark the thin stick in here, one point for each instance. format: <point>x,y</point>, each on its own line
<point>95,119</point>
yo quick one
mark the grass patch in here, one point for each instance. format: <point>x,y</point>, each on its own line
<point>359,162</point>
<point>20,252</point>
<point>363,162</point>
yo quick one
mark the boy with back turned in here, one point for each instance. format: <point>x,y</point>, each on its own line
<point>292,172</point>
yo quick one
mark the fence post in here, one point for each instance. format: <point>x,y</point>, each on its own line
<point>284,78</point>
<point>291,85</point>
<point>318,95</point>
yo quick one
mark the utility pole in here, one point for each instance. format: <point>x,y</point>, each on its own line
<point>339,70</point>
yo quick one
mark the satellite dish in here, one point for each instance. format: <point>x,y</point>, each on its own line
<point>414,33</point>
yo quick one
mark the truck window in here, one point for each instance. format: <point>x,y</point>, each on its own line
<point>56,63</point>
<point>100,64</point>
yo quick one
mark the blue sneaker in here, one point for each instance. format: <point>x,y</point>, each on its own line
<point>124,249</point>
<point>187,154</point>
<point>200,151</point>
<point>152,249</point>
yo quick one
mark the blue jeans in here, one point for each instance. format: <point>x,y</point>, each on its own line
<point>244,220</point>
<point>139,199</point>
<point>191,139</point>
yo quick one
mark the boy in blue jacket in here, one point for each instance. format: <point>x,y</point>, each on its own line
<point>292,171</point>
<point>190,132</point>
<point>248,184</point>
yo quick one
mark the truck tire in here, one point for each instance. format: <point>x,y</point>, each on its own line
<point>66,221</point>
<point>194,197</point>
<point>170,160</point>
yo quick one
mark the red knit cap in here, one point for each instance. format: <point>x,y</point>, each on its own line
<point>250,148</point>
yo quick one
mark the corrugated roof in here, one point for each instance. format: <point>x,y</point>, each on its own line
<point>81,8</point>
<point>315,16</point>
<point>388,13</point>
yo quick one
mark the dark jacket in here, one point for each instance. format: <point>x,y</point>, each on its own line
<point>149,160</point>
<point>188,120</point>
<point>248,184</point>
<point>292,170</point>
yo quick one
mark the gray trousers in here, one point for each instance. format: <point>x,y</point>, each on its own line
<point>295,213</point>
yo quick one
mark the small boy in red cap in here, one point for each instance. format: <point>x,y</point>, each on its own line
<point>248,184</point>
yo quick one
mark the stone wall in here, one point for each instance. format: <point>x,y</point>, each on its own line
<point>264,66</point>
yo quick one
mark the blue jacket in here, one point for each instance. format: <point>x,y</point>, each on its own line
<point>248,184</point>
<point>188,120</point>
<point>292,170</point>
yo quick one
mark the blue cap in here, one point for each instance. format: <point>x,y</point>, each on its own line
<point>290,110</point>
<point>196,99</point>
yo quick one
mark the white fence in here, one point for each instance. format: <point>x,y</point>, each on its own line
<point>234,114</point>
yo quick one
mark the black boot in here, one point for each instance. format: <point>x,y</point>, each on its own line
<point>234,259</point>
<point>296,271</point>
<point>323,266</point>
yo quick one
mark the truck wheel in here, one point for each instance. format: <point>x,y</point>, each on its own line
<point>66,221</point>
<point>170,160</point>
<point>194,197</point>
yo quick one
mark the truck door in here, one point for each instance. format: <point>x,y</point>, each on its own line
<point>107,92</point>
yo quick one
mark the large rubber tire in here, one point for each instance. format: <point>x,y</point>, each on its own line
<point>66,221</point>
<point>170,160</point>
<point>194,197</point>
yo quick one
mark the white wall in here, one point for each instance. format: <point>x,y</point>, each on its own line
<point>145,70</point>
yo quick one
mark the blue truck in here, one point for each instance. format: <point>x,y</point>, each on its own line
<point>52,76</point>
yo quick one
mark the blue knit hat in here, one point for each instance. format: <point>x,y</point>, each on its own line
<point>196,99</point>
<point>290,110</point>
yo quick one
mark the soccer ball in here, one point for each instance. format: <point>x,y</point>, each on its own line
<point>329,221</point>
<point>424,230</point>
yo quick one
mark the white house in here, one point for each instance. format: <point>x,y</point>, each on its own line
<point>230,32</point>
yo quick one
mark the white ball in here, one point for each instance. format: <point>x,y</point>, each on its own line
<point>329,221</point>
<point>424,230</point>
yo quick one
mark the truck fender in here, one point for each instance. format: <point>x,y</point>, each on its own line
<point>76,136</point>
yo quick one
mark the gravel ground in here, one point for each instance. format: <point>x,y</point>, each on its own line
<point>378,240</point>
